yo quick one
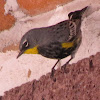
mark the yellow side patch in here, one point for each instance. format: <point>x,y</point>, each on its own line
<point>68,44</point>
<point>32,50</point>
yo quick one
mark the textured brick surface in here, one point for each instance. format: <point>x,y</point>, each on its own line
<point>11,47</point>
<point>80,82</point>
<point>6,21</point>
<point>34,7</point>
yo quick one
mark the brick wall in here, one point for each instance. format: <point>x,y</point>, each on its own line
<point>32,7</point>
<point>29,7</point>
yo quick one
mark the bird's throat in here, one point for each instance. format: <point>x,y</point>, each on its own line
<point>33,50</point>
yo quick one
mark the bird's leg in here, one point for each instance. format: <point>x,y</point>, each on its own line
<point>53,68</point>
<point>64,66</point>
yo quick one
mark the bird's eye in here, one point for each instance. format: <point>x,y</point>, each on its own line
<point>25,44</point>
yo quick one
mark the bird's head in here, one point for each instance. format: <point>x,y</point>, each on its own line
<point>23,46</point>
<point>27,45</point>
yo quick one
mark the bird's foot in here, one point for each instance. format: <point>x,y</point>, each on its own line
<point>52,74</point>
<point>63,68</point>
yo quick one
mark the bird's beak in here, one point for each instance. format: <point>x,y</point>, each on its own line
<point>20,53</point>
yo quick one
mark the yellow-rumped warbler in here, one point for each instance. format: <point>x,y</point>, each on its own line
<point>56,41</point>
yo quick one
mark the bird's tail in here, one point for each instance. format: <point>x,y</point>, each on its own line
<point>77,14</point>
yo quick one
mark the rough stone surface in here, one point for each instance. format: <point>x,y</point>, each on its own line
<point>80,82</point>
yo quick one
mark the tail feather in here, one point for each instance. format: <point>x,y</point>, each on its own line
<point>77,14</point>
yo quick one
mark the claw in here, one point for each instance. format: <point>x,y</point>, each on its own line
<point>53,69</point>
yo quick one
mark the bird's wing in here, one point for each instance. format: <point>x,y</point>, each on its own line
<point>72,29</point>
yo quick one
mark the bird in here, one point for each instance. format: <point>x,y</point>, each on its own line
<point>55,42</point>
